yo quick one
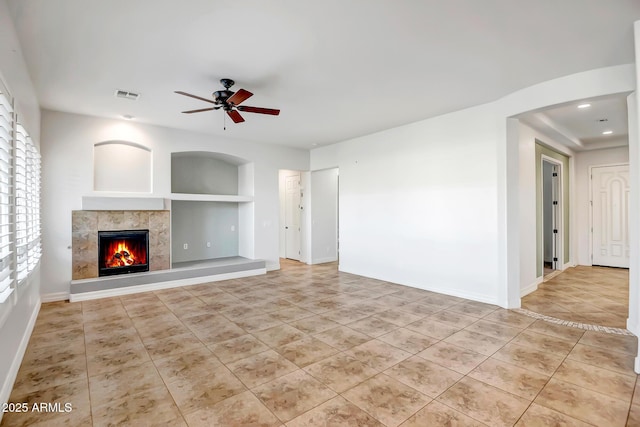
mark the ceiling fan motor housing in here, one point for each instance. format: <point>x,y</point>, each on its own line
<point>221,96</point>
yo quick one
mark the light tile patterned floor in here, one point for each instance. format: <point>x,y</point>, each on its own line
<point>587,295</point>
<point>309,346</point>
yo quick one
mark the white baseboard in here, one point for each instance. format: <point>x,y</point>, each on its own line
<point>272,266</point>
<point>54,296</point>
<point>636,365</point>
<point>323,260</point>
<point>12,374</point>
<point>531,288</point>
<point>568,265</point>
<point>84,296</point>
<point>635,329</point>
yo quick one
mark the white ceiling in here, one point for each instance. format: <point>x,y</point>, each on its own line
<point>337,69</point>
<point>582,128</point>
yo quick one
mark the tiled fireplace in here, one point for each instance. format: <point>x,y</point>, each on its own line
<point>87,262</point>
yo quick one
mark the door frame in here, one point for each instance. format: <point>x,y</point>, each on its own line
<point>561,225</point>
<point>298,213</point>
<point>591,203</point>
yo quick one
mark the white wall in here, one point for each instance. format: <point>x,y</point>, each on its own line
<point>246,213</point>
<point>583,160</point>
<point>209,229</point>
<point>19,311</point>
<point>68,141</point>
<point>121,166</point>
<point>526,194</point>
<point>305,217</point>
<point>439,204</point>
<point>527,211</point>
<point>200,174</point>
<point>418,203</point>
<point>633,111</point>
<point>324,214</point>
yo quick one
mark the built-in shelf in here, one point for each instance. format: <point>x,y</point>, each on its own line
<point>211,197</point>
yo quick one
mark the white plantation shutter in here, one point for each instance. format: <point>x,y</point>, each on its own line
<point>20,246</point>
<point>27,179</point>
<point>21,203</point>
<point>33,205</point>
<point>6,198</point>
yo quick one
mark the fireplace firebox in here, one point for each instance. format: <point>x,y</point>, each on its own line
<point>123,252</point>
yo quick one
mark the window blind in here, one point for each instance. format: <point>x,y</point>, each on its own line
<point>33,206</point>
<point>27,194</point>
<point>6,198</point>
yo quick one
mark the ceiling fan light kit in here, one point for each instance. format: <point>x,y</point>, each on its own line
<point>230,102</point>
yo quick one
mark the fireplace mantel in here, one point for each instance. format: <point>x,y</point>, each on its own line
<point>116,202</point>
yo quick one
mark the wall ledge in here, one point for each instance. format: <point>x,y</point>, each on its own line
<point>119,203</point>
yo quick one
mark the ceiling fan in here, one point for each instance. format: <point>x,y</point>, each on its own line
<point>230,102</point>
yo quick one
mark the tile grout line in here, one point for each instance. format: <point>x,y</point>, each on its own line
<point>153,362</point>
<point>571,324</point>
<point>549,380</point>
<point>86,355</point>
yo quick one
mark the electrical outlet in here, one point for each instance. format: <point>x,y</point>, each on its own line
<point>233,228</point>
<point>185,246</point>
<point>208,244</point>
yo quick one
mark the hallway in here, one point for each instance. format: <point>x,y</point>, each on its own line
<point>591,295</point>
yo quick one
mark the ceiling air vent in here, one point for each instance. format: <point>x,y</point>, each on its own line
<point>127,95</point>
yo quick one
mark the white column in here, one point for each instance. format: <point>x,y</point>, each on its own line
<point>633,104</point>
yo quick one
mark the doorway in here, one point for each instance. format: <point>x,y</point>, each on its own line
<point>610,215</point>
<point>292,217</point>
<point>290,214</point>
<point>551,216</point>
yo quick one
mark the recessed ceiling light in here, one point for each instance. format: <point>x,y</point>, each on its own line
<point>128,117</point>
<point>314,144</point>
<point>584,105</point>
<point>607,132</point>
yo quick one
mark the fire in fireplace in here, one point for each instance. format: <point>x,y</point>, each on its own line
<point>122,252</point>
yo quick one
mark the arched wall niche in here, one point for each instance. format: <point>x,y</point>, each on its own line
<point>122,166</point>
<point>212,206</point>
<point>203,172</point>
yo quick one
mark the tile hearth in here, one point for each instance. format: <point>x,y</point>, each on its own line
<point>310,346</point>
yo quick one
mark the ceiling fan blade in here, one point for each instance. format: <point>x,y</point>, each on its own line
<point>235,116</point>
<point>201,109</point>
<point>259,110</point>
<point>195,96</point>
<point>240,96</point>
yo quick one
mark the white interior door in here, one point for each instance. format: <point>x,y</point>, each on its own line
<point>292,217</point>
<point>610,205</point>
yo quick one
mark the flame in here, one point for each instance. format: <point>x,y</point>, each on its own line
<point>123,253</point>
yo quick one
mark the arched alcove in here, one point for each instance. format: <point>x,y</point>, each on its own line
<point>202,172</point>
<point>212,206</point>
<point>121,166</point>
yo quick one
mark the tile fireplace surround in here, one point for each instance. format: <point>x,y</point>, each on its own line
<point>84,237</point>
